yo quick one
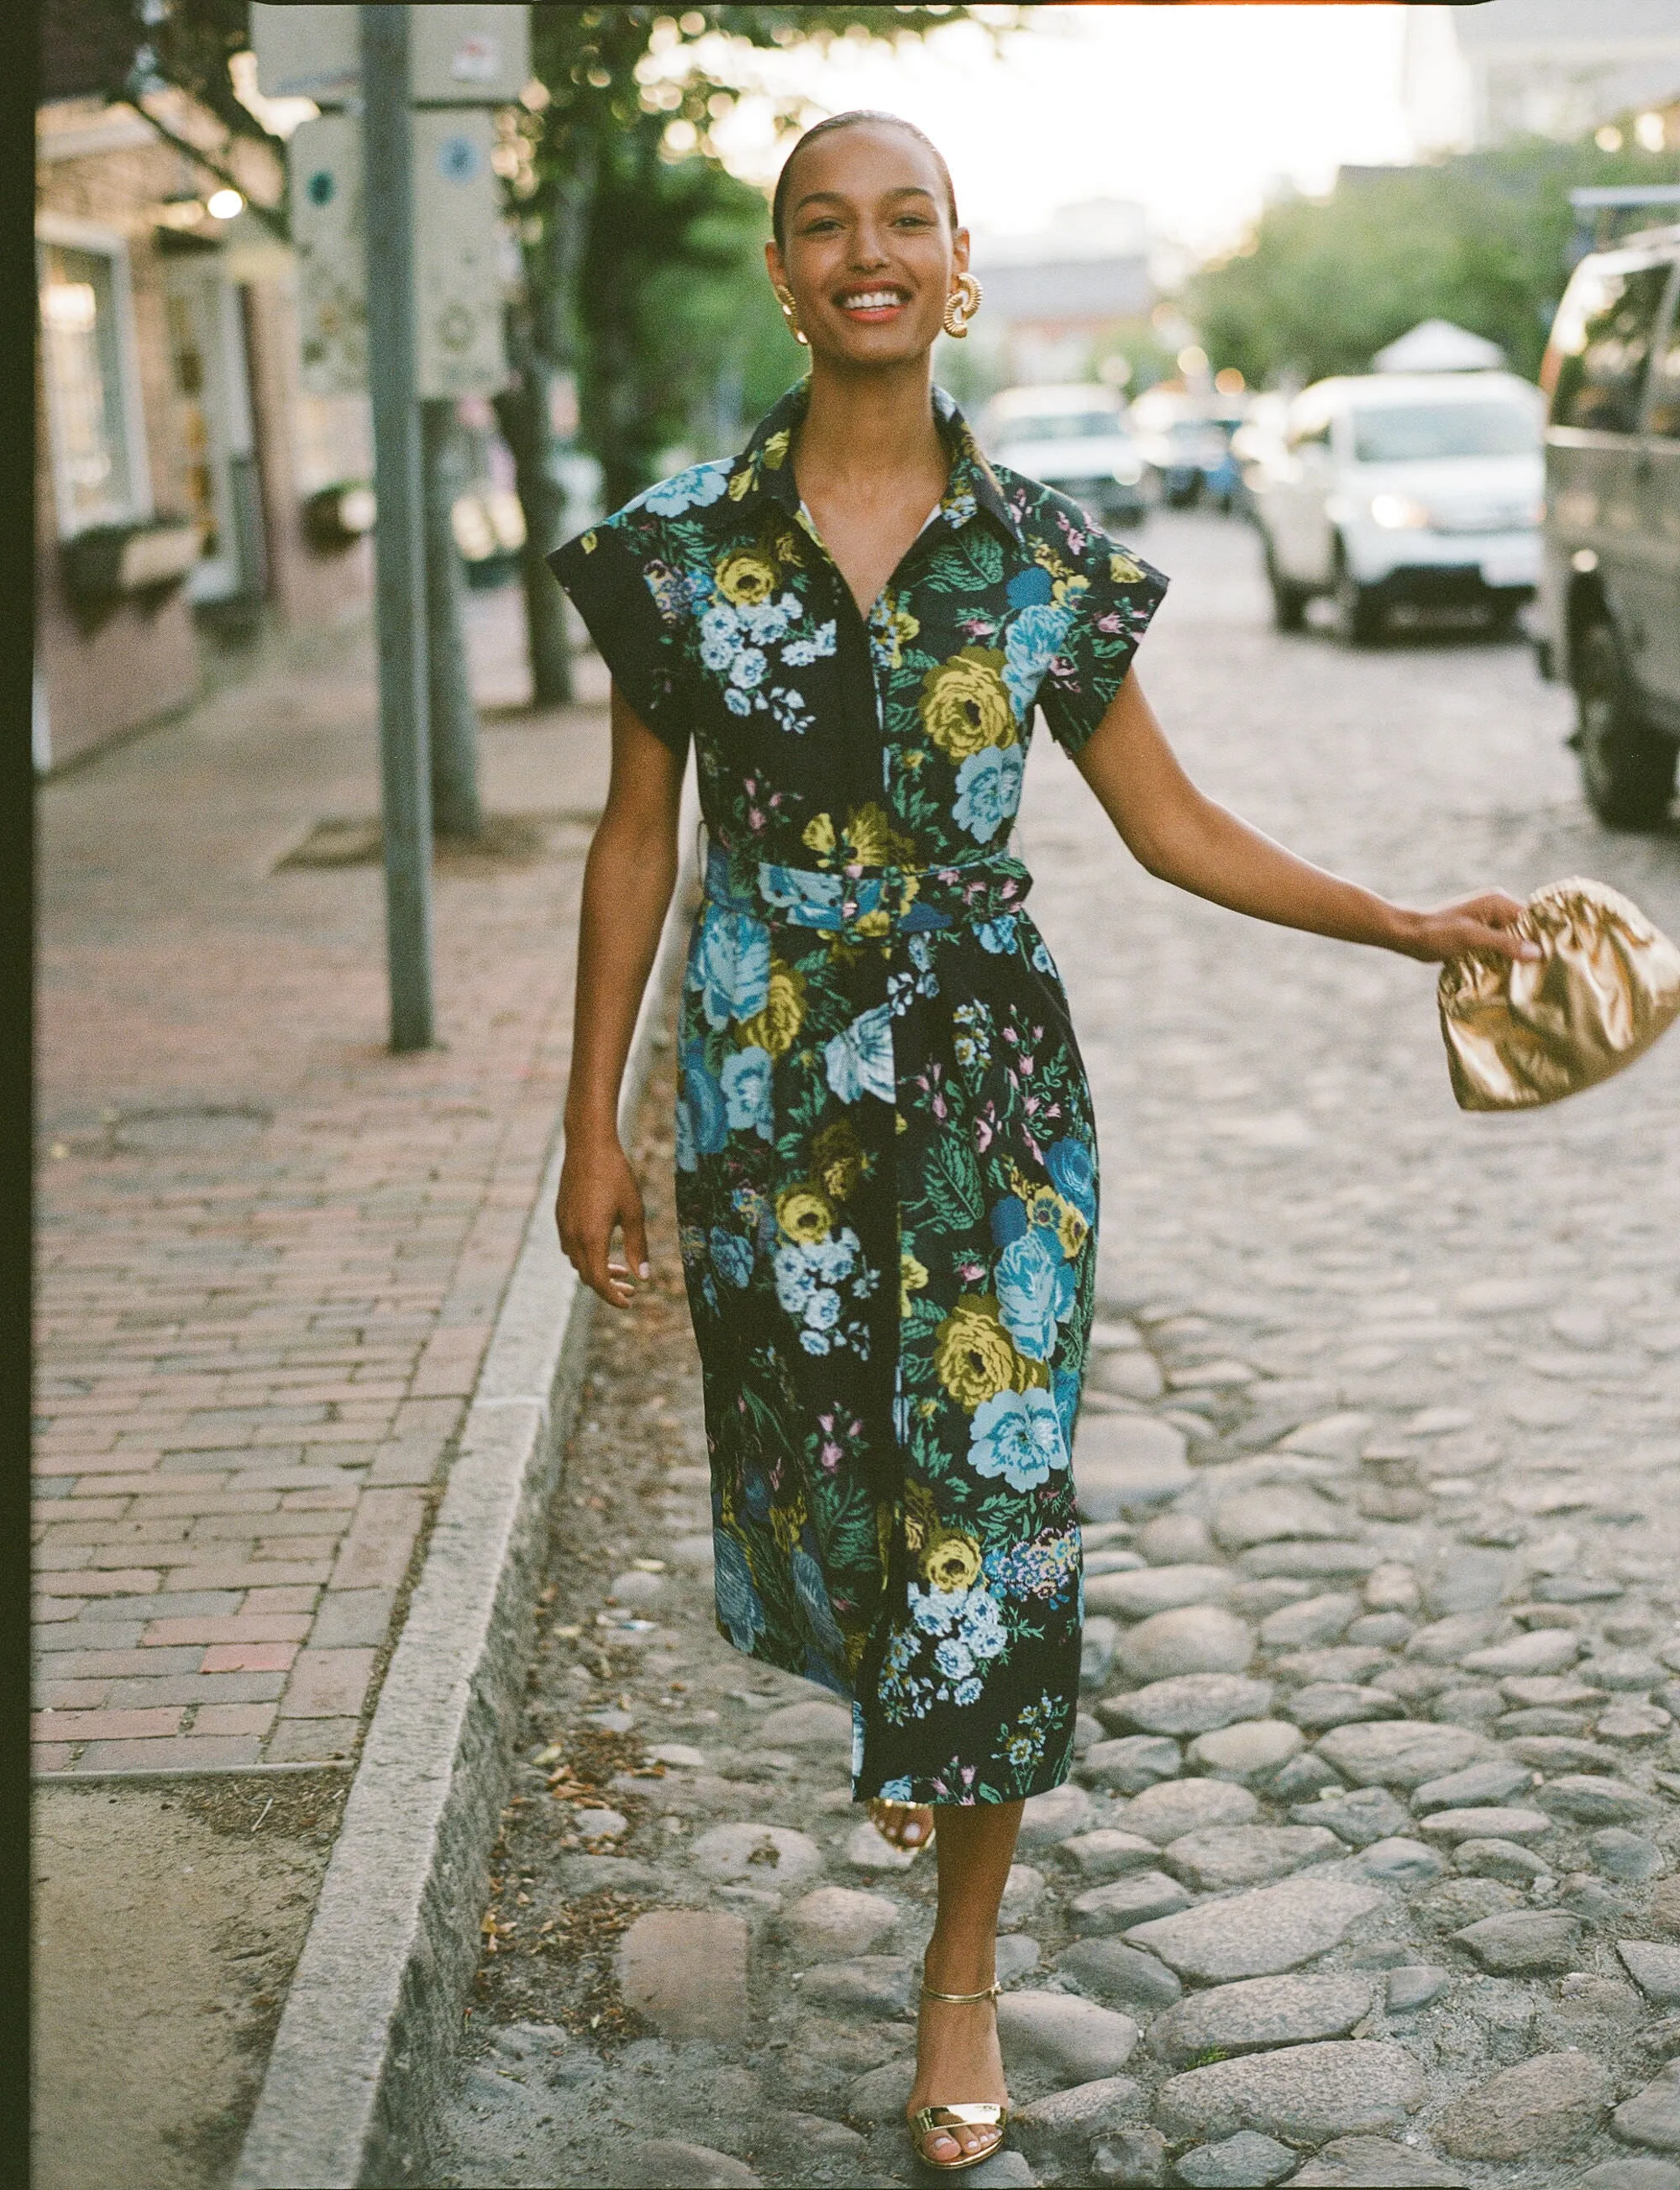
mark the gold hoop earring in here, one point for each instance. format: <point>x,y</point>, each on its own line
<point>961,307</point>
<point>789,312</point>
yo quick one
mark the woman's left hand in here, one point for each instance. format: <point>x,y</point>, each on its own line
<point>1485,922</point>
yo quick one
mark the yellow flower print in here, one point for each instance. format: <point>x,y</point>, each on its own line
<point>1123,570</point>
<point>1068,589</point>
<point>965,704</point>
<point>817,835</point>
<point>746,577</point>
<point>972,1356</point>
<point>875,843</point>
<point>891,629</point>
<point>950,1562</point>
<point>743,482</point>
<point>912,1278</point>
<point>873,923</point>
<point>837,1160</point>
<point>804,1215</point>
<point>1071,1231</point>
<point>776,1027</point>
<point>785,1523</point>
<point>774,454</point>
<point>589,541</point>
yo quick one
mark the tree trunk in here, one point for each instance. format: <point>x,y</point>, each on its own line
<point>522,414</point>
<point>455,723</point>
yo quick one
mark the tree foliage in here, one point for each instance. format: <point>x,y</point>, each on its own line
<point>1481,239</point>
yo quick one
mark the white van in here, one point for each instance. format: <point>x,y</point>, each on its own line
<point>1415,489</point>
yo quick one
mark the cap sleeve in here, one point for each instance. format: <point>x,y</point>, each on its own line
<point>1111,612</point>
<point>612,572</point>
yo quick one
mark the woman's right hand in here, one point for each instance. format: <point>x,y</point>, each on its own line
<point>598,1192</point>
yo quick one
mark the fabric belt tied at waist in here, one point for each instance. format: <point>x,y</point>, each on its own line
<point>884,902</point>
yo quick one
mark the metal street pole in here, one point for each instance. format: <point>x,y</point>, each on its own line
<point>398,544</point>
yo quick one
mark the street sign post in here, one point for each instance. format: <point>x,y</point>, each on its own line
<point>399,538</point>
<point>458,56</point>
<point>460,345</point>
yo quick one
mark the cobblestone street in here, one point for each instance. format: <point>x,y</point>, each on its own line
<point>1369,1871</point>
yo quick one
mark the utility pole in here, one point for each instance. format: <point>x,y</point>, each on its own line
<point>399,543</point>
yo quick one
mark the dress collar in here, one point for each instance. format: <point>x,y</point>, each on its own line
<point>762,470</point>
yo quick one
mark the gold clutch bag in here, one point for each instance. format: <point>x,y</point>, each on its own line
<point>1520,1032</point>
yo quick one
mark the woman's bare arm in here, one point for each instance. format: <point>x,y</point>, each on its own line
<point>1187,838</point>
<point>628,881</point>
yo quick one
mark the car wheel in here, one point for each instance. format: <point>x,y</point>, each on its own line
<point>1359,609</point>
<point>1627,767</point>
<point>1289,600</point>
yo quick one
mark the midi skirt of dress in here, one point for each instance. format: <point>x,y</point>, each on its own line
<point>886,1156</point>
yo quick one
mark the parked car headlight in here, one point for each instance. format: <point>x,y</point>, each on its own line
<point>1398,512</point>
<point>1128,471</point>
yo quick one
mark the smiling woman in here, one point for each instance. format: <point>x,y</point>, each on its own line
<point>887,1177</point>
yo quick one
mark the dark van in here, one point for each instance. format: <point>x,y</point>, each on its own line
<point>1609,596</point>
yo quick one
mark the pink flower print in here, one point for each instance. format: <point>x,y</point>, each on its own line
<point>971,1272</point>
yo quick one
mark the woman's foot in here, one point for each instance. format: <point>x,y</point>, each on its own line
<point>906,1824</point>
<point>958,2063</point>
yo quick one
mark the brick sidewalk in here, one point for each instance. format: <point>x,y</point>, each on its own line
<point>270,1253</point>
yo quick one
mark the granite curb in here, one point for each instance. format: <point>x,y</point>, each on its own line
<point>371,2016</point>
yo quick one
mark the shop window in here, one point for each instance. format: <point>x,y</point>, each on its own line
<point>92,396</point>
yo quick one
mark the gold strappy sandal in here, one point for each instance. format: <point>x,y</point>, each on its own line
<point>979,2113</point>
<point>884,1815</point>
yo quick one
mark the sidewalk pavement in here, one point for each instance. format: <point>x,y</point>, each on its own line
<point>271,1252</point>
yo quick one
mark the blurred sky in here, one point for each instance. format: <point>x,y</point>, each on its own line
<point>1194,112</point>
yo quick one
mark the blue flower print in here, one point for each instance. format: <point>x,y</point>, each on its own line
<point>1074,1175</point>
<point>892,1790</point>
<point>739,1607</point>
<point>697,488</point>
<point>719,636</point>
<point>731,965</point>
<point>731,1257</point>
<point>1029,588</point>
<point>1064,1385</point>
<point>860,1061</point>
<point>747,669</point>
<point>747,1078</point>
<point>813,1594</point>
<point>997,936</point>
<point>801,653</point>
<point>1034,640</point>
<point>1019,1435</point>
<point>766,621</point>
<point>688,1155</point>
<point>703,1099</point>
<point>1043,963</point>
<point>1034,1293</point>
<point>1009,1220</point>
<point>988,790</point>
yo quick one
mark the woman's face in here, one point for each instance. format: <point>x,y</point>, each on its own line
<point>870,253</point>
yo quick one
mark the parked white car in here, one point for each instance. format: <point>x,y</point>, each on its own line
<point>1077,439</point>
<point>1417,489</point>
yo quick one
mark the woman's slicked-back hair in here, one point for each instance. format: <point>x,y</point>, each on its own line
<point>850,121</point>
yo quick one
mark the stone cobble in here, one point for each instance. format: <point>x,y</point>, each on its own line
<point>1367,1874</point>
<point>271,1252</point>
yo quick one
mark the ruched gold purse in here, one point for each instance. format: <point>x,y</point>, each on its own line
<point>1521,1032</point>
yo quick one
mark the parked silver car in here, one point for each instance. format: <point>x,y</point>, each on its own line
<point>1610,602</point>
<point>1077,439</point>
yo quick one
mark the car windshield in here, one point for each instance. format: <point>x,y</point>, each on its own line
<point>1060,426</point>
<point>1413,433</point>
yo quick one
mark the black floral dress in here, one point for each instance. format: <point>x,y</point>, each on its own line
<point>886,1174</point>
